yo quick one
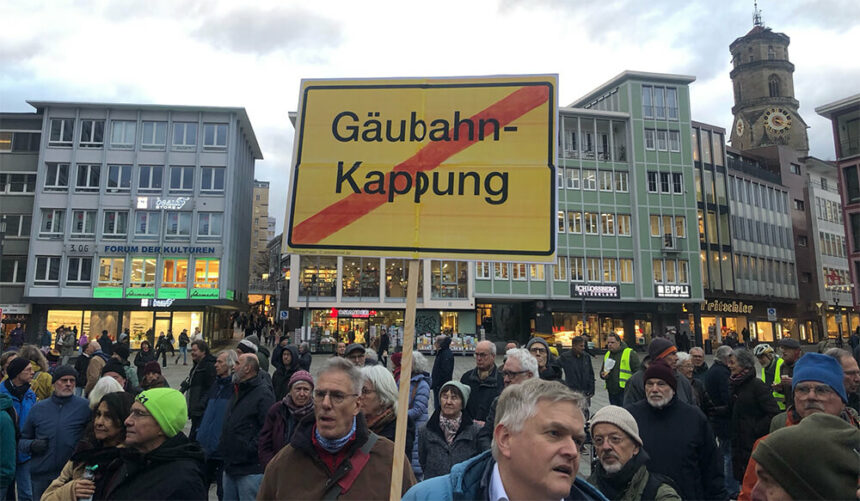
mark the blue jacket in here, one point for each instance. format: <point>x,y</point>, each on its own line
<point>419,403</point>
<point>218,398</point>
<point>59,420</point>
<point>22,408</point>
<point>470,480</point>
<point>7,445</point>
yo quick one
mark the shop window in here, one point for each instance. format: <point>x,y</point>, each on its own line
<point>360,277</point>
<point>318,276</point>
<point>397,271</point>
<point>142,272</point>
<point>206,273</point>
<point>449,279</point>
<point>111,272</point>
<point>174,273</point>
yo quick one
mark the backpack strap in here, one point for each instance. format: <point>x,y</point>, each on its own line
<point>655,480</point>
<point>357,463</point>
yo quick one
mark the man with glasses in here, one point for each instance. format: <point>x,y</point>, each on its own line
<point>357,354</point>
<point>547,365</point>
<point>485,380</point>
<point>334,454</point>
<point>519,367</point>
<point>817,386</point>
<point>851,373</point>
<point>167,465</point>
<point>243,422</point>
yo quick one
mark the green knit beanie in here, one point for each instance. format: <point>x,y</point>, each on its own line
<point>167,407</point>
<point>816,459</point>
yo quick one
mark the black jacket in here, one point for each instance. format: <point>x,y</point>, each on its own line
<point>753,408</point>
<point>140,361</point>
<point>484,437</point>
<point>175,470</point>
<point>384,342</point>
<point>106,344</point>
<point>718,390</point>
<point>81,364</point>
<point>389,430</point>
<point>305,360</point>
<point>282,375</point>
<point>197,385</point>
<point>243,422</point>
<point>552,371</point>
<point>443,366</point>
<point>578,372</point>
<point>483,392</point>
<point>681,445</point>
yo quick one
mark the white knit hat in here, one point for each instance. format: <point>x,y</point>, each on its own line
<point>619,417</point>
<point>249,346</point>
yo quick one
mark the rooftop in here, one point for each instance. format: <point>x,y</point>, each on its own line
<point>837,107</point>
<point>630,75</point>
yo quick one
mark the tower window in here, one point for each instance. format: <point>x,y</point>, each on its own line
<point>771,55</point>
<point>773,86</point>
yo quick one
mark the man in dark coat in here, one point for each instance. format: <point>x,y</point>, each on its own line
<point>160,462</point>
<point>245,418</point>
<point>547,364</point>
<point>305,358</point>
<point>198,382</point>
<point>700,367</point>
<point>578,371</point>
<point>106,343</point>
<point>719,392</point>
<point>485,380</point>
<point>678,438</point>
<point>443,366</point>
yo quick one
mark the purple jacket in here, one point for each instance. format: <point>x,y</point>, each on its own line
<point>277,431</point>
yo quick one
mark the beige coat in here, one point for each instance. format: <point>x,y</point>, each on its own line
<point>94,372</point>
<point>63,487</point>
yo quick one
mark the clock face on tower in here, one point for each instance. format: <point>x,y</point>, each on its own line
<point>739,127</point>
<point>777,120</point>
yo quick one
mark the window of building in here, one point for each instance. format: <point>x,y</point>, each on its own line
<point>52,222</point>
<point>80,272</point>
<point>360,277</point>
<point>609,270</point>
<point>577,272</point>
<point>119,179</point>
<point>664,182</point>
<point>674,140</point>
<point>396,279</point>
<point>482,269</point>
<point>591,223</point>
<point>694,144</point>
<point>669,269</point>
<point>647,102</point>
<point>154,136</point>
<point>589,180</point>
<point>18,225</point>
<point>661,140</point>
<point>607,223</point>
<point>650,143</point>
<point>115,224</point>
<point>150,178</point>
<point>623,221</point>
<point>518,271</point>
<point>212,179</point>
<point>671,103</point>
<point>606,180</point>
<point>592,269</point>
<point>657,265</point>
<point>621,184</point>
<point>501,270</point>
<point>47,270</point>
<point>177,224</point>
<point>625,268</point>
<point>798,204</point>
<point>574,222</point>
<point>57,177</point>
<point>560,221</point>
<point>83,223</point>
<point>185,136</point>
<point>795,169</point>
<point>209,224</point>
<point>181,179</point>
<point>206,273</point>
<point>174,273</point>
<point>62,132</point>
<point>19,141</point>
<point>215,136</point>
<point>111,272</point>
<point>559,271</point>
<point>773,86</point>
<point>852,183</point>
<point>677,183</point>
<point>122,133</point>
<point>655,226</point>
<point>680,226</point>
<point>652,182</point>
<point>147,224</point>
<point>13,269</point>
<point>536,271</point>
<point>88,177</point>
<point>659,103</point>
<point>683,272</point>
<point>92,134</point>
<point>142,273</point>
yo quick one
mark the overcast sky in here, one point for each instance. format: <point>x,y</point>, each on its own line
<point>254,54</point>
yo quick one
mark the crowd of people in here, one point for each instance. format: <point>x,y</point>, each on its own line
<point>257,424</point>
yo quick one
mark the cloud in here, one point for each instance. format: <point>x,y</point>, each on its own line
<point>258,31</point>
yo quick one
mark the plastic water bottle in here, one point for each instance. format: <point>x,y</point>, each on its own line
<point>89,474</point>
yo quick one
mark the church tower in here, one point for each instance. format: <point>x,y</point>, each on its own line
<point>765,109</point>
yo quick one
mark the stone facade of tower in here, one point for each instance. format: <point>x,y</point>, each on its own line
<point>765,108</point>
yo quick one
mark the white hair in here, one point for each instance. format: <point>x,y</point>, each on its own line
<point>527,361</point>
<point>683,356</point>
<point>338,364</point>
<point>383,383</point>
<point>419,362</point>
<point>518,403</point>
<point>371,357</point>
<point>491,344</point>
<point>103,386</point>
<point>723,353</point>
<point>231,357</point>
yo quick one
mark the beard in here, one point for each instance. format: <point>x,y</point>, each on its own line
<point>611,468</point>
<point>658,401</point>
<point>235,378</point>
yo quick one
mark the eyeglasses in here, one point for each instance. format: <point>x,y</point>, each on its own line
<point>820,389</point>
<point>537,350</point>
<point>367,391</point>
<point>613,439</point>
<point>136,414</point>
<point>479,354</point>
<point>512,374</point>
<point>336,397</point>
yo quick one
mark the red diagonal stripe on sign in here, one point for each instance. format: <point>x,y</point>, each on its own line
<point>346,211</point>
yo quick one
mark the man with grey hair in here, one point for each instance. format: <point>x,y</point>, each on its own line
<point>334,453</point>
<point>217,401</point>
<point>535,452</point>
<point>700,367</point>
<point>305,358</point>
<point>485,380</point>
<point>719,392</point>
<point>851,375</point>
<point>520,366</point>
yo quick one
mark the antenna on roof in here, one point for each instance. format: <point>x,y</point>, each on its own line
<point>757,15</point>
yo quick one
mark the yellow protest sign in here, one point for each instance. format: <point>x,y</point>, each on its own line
<point>455,167</point>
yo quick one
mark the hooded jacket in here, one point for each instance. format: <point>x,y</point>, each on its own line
<point>22,405</point>
<point>200,379</point>
<point>243,422</point>
<point>61,422</point>
<point>217,400</point>
<point>443,365</point>
<point>8,444</point>
<point>470,480</point>
<point>419,412</point>
<point>282,375</point>
<point>175,470</point>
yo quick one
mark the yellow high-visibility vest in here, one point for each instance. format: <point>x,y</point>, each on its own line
<point>624,371</point>
<point>777,377</point>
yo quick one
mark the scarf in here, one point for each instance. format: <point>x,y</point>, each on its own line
<point>377,423</point>
<point>450,427</point>
<point>299,412</point>
<point>334,445</point>
<point>739,378</point>
<point>17,391</point>
<point>613,485</point>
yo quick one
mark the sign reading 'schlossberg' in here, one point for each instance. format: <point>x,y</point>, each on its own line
<point>426,167</point>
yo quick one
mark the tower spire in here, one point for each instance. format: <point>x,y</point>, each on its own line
<point>757,15</point>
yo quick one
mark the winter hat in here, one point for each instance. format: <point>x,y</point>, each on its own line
<point>301,376</point>
<point>151,367</point>
<point>661,370</point>
<point>463,389</point>
<point>815,459</point>
<point>540,340</point>
<point>353,347</point>
<point>168,407</point>
<point>246,346</point>
<point>15,367</point>
<point>821,368</point>
<point>63,371</point>
<point>793,344</point>
<point>121,351</point>
<point>114,365</point>
<point>618,416</point>
<point>254,339</point>
<point>397,358</point>
<point>660,347</point>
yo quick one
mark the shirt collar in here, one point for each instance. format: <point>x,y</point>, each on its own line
<point>497,489</point>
